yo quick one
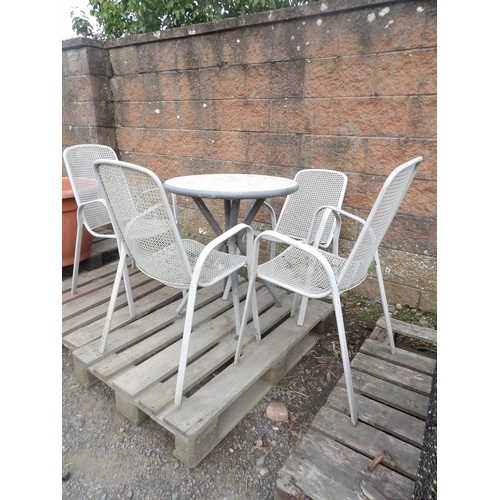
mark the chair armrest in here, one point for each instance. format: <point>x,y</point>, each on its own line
<point>80,208</point>
<point>272,213</point>
<point>327,211</point>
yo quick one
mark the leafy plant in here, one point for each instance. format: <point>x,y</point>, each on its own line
<point>116,18</point>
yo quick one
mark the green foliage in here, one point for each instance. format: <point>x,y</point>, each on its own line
<point>116,18</point>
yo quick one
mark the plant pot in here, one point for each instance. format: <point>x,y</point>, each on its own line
<point>69,227</point>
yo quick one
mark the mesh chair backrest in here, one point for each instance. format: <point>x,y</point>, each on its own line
<point>317,188</point>
<point>79,161</point>
<point>144,221</point>
<point>384,209</point>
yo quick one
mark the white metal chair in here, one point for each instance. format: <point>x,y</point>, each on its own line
<point>315,273</point>
<point>92,211</point>
<point>317,188</point>
<point>147,231</point>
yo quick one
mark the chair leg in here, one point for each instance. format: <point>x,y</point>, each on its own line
<point>188,323</point>
<point>114,294</point>
<point>227,289</point>
<point>183,303</point>
<point>251,299</point>
<point>302,312</point>
<point>78,246</point>
<point>385,306</point>
<point>345,357</point>
<point>128,291</point>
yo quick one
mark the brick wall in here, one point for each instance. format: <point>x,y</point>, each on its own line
<point>347,85</point>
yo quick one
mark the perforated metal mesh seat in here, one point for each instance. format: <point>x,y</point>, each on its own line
<point>147,231</point>
<point>91,212</point>
<point>315,273</point>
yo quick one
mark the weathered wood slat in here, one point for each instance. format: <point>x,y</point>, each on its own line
<point>398,397</point>
<point>162,393</point>
<point>368,440</point>
<point>382,417</point>
<point>299,478</point>
<point>86,277</point>
<point>200,409</point>
<point>134,332</point>
<point>349,467</point>
<point>88,288</point>
<point>404,358</point>
<point>96,313</point>
<point>408,330</point>
<point>100,296</point>
<point>159,298</point>
<point>389,372</point>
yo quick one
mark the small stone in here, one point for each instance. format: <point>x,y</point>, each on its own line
<point>277,412</point>
<point>129,494</point>
<point>399,307</point>
<point>264,471</point>
<point>260,461</point>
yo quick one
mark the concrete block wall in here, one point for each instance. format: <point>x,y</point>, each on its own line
<point>347,85</point>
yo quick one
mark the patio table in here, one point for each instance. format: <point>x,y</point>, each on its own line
<point>232,188</point>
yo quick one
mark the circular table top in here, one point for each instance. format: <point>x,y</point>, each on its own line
<point>231,186</point>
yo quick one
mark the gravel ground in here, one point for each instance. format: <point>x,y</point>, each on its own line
<point>106,457</point>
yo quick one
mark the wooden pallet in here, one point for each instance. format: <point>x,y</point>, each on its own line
<point>142,354</point>
<point>332,460</point>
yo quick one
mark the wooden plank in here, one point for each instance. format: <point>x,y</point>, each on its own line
<point>121,317</point>
<point>348,467</point>
<point>299,479</point>
<point>382,417</point>
<point>165,362</point>
<point>368,441</point>
<point>162,393</point>
<point>407,359</point>
<point>422,333</point>
<point>389,372</point>
<point>143,327</point>
<point>91,315</point>
<point>94,285</point>
<point>199,410</point>
<point>100,296</point>
<point>86,277</point>
<point>402,399</point>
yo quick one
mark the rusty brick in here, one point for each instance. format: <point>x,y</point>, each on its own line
<point>152,141</point>
<point>67,115</point>
<point>197,115</point>
<point>181,85</point>
<point>98,62</point>
<point>301,116</point>
<point>370,116</point>
<point>409,234</point>
<point>159,56</point>
<point>346,154</point>
<point>381,29</point>
<point>279,149</point>
<point>227,82</point>
<point>430,30</point>
<point>315,37</point>
<point>239,114</point>
<point>150,87</point>
<point>422,116</point>
<point>395,293</point>
<point>250,45</point>
<point>164,168</point>
<point>407,73</point>
<point>384,155</point>
<point>81,113</point>
<point>129,138</point>
<point>126,88</point>
<point>199,52</point>
<point>188,143</point>
<point>340,77</point>
<point>78,89</point>
<point>103,114</point>
<point>276,80</point>
<point>421,199</point>
<point>124,60</point>
<point>225,145</point>
<point>128,114</point>
<point>160,114</point>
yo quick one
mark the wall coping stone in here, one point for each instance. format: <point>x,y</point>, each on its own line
<point>260,18</point>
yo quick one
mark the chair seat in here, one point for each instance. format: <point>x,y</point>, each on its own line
<point>167,265</point>
<point>299,272</point>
